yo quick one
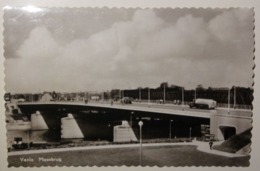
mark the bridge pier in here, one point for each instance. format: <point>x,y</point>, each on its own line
<point>124,133</point>
<point>70,128</point>
<point>38,122</point>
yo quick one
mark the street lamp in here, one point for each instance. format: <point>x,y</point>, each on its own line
<point>170,131</point>
<point>29,138</point>
<point>234,97</point>
<point>139,94</point>
<point>195,95</point>
<point>131,124</point>
<point>140,123</point>
<point>149,95</point>
<point>131,119</point>
<point>228,100</point>
<point>182,98</point>
<point>190,133</point>
<point>164,93</point>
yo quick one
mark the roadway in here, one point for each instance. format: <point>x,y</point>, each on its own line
<point>182,110</point>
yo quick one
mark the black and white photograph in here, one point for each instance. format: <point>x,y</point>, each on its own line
<point>128,86</point>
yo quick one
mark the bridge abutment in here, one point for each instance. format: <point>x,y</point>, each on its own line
<point>225,125</point>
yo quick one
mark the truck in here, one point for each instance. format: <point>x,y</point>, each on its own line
<point>203,104</point>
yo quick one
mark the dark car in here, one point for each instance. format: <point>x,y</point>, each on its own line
<point>126,100</point>
<point>19,144</point>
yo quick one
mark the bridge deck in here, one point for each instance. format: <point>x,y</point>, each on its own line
<point>155,108</point>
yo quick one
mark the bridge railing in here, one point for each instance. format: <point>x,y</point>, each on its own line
<point>186,103</point>
<point>237,106</point>
<point>160,101</point>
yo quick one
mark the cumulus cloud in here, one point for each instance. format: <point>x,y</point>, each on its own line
<point>143,51</point>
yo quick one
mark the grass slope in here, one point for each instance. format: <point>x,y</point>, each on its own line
<point>235,143</point>
<point>152,156</point>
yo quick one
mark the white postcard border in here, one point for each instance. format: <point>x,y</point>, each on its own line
<point>254,161</point>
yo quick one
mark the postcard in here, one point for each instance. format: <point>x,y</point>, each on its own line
<point>128,86</point>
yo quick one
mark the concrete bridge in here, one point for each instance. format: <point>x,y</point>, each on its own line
<point>142,107</point>
<point>98,120</point>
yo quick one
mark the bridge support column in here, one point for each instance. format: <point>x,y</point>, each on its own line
<point>38,122</point>
<point>70,128</point>
<point>124,133</point>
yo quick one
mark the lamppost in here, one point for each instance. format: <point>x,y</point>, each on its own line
<point>190,133</point>
<point>170,131</point>
<point>228,100</point>
<point>29,138</point>
<point>131,119</point>
<point>149,95</point>
<point>131,125</point>
<point>235,97</point>
<point>195,95</point>
<point>140,123</point>
<point>164,93</point>
<point>139,94</point>
<point>182,98</point>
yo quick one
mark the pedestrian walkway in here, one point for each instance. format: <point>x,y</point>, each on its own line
<point>204,147</point>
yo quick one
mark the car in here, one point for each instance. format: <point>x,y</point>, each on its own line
<point>126,100</point>
<point>21,100</point>
<point>160,101</point>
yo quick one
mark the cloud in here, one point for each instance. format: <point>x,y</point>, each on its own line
<point>143,51</point>
<point>40,44</point>
<point>232,26</point>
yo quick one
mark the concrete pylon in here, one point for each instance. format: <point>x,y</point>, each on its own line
<point>37,122</point>
<point>124,133</point>
<point>70,128</point>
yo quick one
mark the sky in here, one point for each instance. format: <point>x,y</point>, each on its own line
<point>99,49</point>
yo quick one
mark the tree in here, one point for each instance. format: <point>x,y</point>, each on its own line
<point>54,95</point>
<point>200,87</point>
<point>164,84</point>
